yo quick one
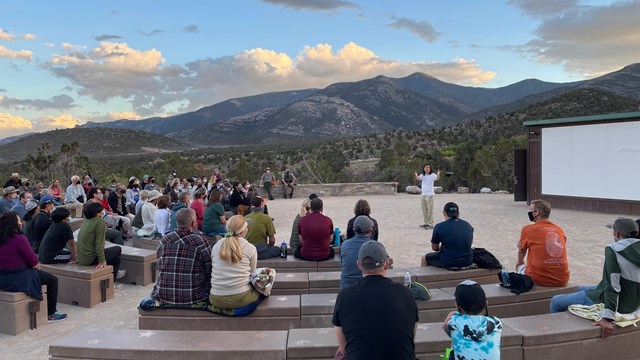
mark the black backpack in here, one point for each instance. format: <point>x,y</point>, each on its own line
<point>485,259</point>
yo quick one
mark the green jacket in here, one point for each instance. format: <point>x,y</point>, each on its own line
<point>91,241</point>
<point>619,288</point>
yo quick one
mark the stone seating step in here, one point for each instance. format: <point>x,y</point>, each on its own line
<point>19,312</point>
<point>85,286</point>
<point>141,265</point>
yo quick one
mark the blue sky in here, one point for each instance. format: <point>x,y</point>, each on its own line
<point>66,63</point>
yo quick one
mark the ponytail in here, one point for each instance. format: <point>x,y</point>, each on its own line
<point>230,250</point>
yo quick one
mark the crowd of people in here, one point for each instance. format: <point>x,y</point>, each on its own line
<point>34,229</point>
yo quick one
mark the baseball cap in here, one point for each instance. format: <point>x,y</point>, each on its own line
<point>372,255</point>
<point>362,224</point>
<point>31,204</point>
<point>451,209</point>
<point>47,199</point>
<point>625,226</point>
<point>470,297</point>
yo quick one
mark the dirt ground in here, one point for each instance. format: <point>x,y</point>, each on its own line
<point>497,220</point>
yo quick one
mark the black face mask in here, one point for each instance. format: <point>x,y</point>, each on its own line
<point>123,191</point>
<point>531,217</point>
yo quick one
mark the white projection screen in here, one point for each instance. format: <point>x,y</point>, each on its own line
<point>594,161</point>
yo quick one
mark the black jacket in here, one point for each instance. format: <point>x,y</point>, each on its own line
<point>113,202</point>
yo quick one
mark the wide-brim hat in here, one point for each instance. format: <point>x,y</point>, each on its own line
<point>153,195</point>
<point>9,190</point>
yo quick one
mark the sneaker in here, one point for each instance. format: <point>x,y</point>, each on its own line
<point>57,316</point>
<point>424,226</point>
<point>118,286</point>
<point>121,274</point>
<point>428,227</point>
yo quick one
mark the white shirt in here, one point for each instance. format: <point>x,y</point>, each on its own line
<point>162,221</point>
<point>231,279</point>
<point>427,183</point>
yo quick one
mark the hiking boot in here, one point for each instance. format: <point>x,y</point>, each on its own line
<point>424,226</point>
<point>57,316</point>
<point>121,274</point>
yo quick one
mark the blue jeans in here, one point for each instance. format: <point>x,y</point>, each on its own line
<point>561,303</point>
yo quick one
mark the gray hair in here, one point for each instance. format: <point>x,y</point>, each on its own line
<point>185,217</point>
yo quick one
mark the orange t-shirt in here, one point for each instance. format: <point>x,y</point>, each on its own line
<point>546,247</point>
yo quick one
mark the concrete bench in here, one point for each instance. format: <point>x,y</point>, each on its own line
<point>75,223</point>
<point>129,344</point>
<point>149,243</point>
<point>291,284</point>
<point>292,264</point>
<point>80,285</point>
<point>317,309</point>
<point>565,336</point>
<point>274,313</point>
<point>19,312</point>
<point>430,343</point>
<point>141,265</point>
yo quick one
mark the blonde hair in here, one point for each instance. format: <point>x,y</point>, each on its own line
<point>304,208</point>
<point>144,194</point>
<point>230,250</point>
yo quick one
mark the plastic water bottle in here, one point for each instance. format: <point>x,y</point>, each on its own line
<point>504,275</point>
<point>407,279</point>
<point>283,250</point>
<point>336,236</point>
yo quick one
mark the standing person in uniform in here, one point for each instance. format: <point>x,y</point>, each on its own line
<point>267,180</point>
<point>428,178</point>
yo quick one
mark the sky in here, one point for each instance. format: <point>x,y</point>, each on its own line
<point>70,62</point>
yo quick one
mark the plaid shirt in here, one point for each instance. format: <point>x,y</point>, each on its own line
<point>184,261</point>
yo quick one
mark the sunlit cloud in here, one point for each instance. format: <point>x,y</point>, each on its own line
<point>423,29</point>
<point>537,8</point>
<point>29,37</point>
<point>6,36</point>
<point>14,122</point>
<point>60,121</point>
<point>6,53</point>
<point>59,102</point>
<point>129,115</point>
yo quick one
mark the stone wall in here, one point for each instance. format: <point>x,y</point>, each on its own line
<point>338,189</point>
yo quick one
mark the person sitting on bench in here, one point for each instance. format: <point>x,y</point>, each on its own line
<point>451,241</point>
<point>59,235</point>
<point>315,231</point>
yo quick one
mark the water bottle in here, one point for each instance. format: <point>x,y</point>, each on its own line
<point>504,275</point>
<point>336,236</point>
<point>283,250</point>
<point>407,279</point>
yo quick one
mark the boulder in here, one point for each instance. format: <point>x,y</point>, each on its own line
<point>438,189</point>
<point>463,190</point>
<point>485,190</point>
<point>413,190</point>
<point>502,192</point>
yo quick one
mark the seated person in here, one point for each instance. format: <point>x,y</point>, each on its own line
<point>214,221</point>
<point>41,222</point>
<point>451,241</point>
<point>56,191</point>
<point>315,231</point>
<point>362,208</point>
<point>545,246</point>
<point>233,260</point>
<point>184,198</point>
<point>198,205</point>
<point>75,196</point>
<point>238,199</point>
<point>184,264</point>
<point>122,222</point>
<point>59,235</point>
<point>19,267</point>
<point>474,334</point>
<point>619,289</point>
<point>144,196</point>
<point>363,228</point>
<point>162,220</point>
<point>148,214</point>
<point>20,207</point>
<point>294,240</point>
<point>261,231</point>
<point>91,239</point>
<point>112,235</point>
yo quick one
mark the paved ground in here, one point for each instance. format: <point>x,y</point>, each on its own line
<point>496,218</point>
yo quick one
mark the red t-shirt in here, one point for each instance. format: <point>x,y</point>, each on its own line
<point>315,230</point>
<point>198,206</point>
<point>105,204</point>
<point>546,246</point>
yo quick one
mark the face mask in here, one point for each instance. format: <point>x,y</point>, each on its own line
<point>246,187</point>
<point>123,191</point>
<point>531,217</point>
<point>100,196</point>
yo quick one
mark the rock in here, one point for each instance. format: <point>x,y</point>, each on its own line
<point>438,189</point>
<point>485,190</point>
<point>463,190</point>
<point>502,192</point>
<point>413,190</point>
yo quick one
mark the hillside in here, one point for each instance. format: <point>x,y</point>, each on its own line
<point>93,142</point>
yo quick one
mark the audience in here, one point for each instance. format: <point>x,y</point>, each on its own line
<point>19,267</point>
<point>56,192</point>
<point>132,194</point>
<point>262,231</point>
<point>350,274</point>
<point>315,231</point>
<point>162,218</point>
<point>362,208</point>
<point>143,196</point>
<point>112,235</point>
<point>75,196</point>
<point>6,202</point>
<point>148,214</point>
<point>20,207</point>
<point>14,181</point>
<point>214,221</point>
<point>451,241</point>
<point>184,198</point>
<point>198,205</point>
<point>58,245</point>
<point>41,222</point>
<point>294,240</point>
<point>238,200</point>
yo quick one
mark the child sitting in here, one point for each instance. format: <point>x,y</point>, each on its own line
<point>474,335</point>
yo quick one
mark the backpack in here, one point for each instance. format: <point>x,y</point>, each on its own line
<point>485,259</point>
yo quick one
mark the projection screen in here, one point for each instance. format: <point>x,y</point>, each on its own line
<point>594,161</point>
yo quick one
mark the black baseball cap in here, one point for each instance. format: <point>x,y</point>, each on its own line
<point>470,297</point>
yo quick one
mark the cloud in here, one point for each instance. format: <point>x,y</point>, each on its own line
<point>60,121</point>
<point>3,90</point>
<point>421,28</point>
<point>13,122</point>
<point>537,8</point>
<point>50,45</point>
<point>59,102</point>
<point>191,29</point>
<point>25,55</point>
<point>29,37</point>
<point>104,37</point>
<point>153,87</point>
<point>314,5</point>
<point>152,32</point>
<point>588,41</point>
<point>6,36</point>
<point>129,115</point>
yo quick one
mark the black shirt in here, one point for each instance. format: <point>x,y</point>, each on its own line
<point>55,239</point>
<point>40,224</point>
<point>351,232</point>
<point>378,318</point>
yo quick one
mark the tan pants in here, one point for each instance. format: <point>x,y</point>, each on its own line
<point>74,206</point>
<point>427,209</point>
